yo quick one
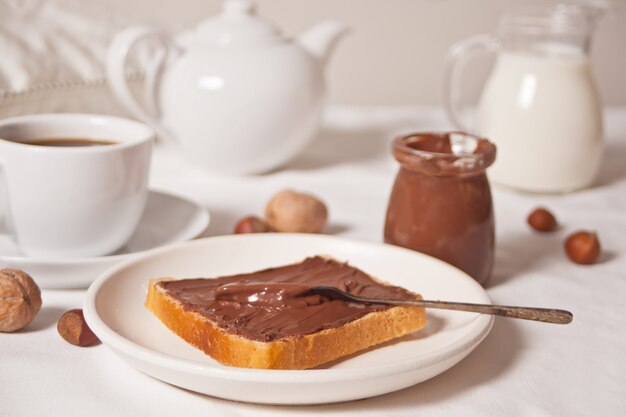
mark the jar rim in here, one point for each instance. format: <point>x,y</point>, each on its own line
<point>468,153</point>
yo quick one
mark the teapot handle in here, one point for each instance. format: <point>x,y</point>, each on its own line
<point>117,57</point>
<point>453,70</point>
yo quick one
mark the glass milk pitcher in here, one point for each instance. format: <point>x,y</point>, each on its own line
<point>539,105</point>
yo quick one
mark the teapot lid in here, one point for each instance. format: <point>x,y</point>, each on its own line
<point>237,25</point>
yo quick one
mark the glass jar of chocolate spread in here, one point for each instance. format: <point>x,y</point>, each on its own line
<point>440,203</point>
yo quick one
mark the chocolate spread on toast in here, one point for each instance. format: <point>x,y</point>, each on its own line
<point>273,304</point>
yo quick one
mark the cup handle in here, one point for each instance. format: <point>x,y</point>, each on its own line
<point>6,223</point>
<point>117,57</point>
<point>453,69</point>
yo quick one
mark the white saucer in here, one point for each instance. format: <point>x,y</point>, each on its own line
<point>114,309</point>
<point>166,219</point>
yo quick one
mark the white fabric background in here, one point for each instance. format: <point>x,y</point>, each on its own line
<point>521,369</point>
<point>49,42</point>
<point>53,54</point>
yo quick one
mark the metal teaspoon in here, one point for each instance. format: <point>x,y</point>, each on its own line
<point>547,315</point>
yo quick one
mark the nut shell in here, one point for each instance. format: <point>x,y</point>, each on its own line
<point>251,224</point>
<point>583,247</point>
<point>74,329</point>
<point>294,212</point>
<point>20,299</point>
<point>542,220</point>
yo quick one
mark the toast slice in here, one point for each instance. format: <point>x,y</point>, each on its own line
<point>307,336</point>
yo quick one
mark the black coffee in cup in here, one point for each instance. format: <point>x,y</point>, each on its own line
<point>68,142</point>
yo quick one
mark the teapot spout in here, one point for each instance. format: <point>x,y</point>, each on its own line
<point>321,39</point>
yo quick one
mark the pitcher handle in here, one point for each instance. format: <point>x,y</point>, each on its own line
<point>117,57</point>
<point>453,70</point>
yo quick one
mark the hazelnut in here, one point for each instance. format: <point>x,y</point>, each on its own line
<point>251,224</point>
<point>20,299</point>
<point>74,329</point>
<point>582,247</point>
<point>291,211</point>
<point>542,220</point>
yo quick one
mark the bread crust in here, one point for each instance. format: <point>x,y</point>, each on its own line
<point>300,352</point>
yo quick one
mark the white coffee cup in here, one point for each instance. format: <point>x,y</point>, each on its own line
<point>62,202</point>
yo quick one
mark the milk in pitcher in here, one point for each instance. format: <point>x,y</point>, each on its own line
<point>539,105</point>
<point>542,110</point>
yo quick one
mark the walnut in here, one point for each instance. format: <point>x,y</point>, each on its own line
<point>20,299</point>
<point>290,211</point>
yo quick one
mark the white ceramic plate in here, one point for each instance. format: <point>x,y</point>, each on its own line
<point>114,309</point>
<point>166,219</point>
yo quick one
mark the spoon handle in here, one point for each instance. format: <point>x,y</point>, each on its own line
<point>547,315</point>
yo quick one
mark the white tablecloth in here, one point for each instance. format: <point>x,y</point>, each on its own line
<point>521,369</point>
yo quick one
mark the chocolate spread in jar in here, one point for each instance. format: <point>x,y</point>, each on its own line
<point>274,303</point>
<point>440,203</point>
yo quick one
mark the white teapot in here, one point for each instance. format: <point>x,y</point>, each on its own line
<point>237,96</point>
